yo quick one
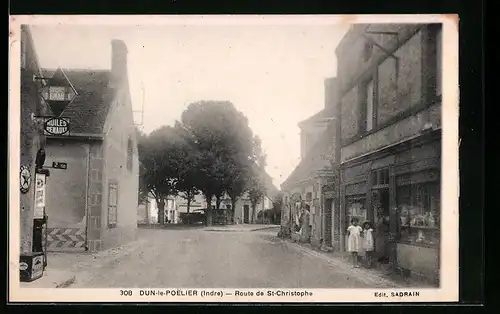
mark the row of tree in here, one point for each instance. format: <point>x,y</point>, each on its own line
<point>211,150</point>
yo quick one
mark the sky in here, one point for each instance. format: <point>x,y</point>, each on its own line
<point>273,73</point>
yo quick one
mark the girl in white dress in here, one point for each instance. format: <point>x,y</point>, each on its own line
<point>354,240</point>
<point>368,243</point>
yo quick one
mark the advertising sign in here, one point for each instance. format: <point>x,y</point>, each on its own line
<point>39,196</point>
<point>37,268</point>
<point>56,126</point>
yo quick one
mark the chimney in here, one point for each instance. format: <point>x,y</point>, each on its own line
<point>118,61</point>
<point>331,94</point>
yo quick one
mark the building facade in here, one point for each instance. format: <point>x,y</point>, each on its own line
<point>92,204</point>
<point>306,185</point>
<point>31,134</point>
<point>390,89</point>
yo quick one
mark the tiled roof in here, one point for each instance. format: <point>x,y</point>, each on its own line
<point>318,158</point>
<point>88,111</point>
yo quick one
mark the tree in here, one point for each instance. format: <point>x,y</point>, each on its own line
<point>160,160</point>
<point>277,206</point>
<point>187,170</point>
<point>256,192</point>
<point>223,140</point>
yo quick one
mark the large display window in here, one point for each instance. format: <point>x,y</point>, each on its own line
<point>419,213</point>
<point>355,207</point>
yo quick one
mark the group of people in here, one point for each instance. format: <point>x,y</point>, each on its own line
<point>362,239</point>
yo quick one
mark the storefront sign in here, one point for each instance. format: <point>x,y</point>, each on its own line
<point>39,196</point>
<point>25,179</point>
<point>56,126</point>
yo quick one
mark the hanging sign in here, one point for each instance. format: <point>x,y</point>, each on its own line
<point>59,93</point>
<point>56,126</point>
<point>25,179</point>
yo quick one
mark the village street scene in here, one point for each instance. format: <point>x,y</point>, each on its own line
<point>223,156</point>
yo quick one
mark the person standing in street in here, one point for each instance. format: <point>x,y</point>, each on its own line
<point>354,241</point>
<point>368,244</point>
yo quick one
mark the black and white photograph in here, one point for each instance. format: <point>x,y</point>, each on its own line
<point>234,158</point>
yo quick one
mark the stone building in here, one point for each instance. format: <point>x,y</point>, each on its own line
<point>314,172</point>
<point>31,136</point>
<point>92,205</point>
<point>390,89</point>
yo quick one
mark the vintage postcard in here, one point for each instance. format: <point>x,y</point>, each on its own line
<point>234,158</point>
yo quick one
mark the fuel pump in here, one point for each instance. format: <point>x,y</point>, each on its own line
<point>40,216</point>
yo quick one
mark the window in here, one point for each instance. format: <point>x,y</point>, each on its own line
<point>355,206</point>
<point>130,154</point>
<point>439,60</point>
<point>112,205</point>
<point>308,196</point>
<point>369,106</point>
<point>419,212</point>
<point>380,177</point>
<point>228,207</point>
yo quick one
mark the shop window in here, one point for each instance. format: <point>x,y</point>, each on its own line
<point>355,207</point>
<point>112,205</point>
<point>419,213</point>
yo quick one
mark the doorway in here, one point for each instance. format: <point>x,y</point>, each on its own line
<point>246,214</point>
<point>381,221</point>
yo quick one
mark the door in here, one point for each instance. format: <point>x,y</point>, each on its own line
<point>380,201</point>
<point>66,197</point>
<point>246,214</point>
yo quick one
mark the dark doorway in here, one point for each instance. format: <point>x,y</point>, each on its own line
<point>380,201</point>
<point>246,214</point>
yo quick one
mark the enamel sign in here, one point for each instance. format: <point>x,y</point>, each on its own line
<point>56,126</point>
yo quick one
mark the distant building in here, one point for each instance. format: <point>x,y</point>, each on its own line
<point>305,185</point>
<point>92,205</point>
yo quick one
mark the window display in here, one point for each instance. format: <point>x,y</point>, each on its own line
<point>419,213</point>
<point>355,206</point>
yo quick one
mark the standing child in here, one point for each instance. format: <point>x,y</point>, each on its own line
<point>368,243</point>
<point>354,241</point>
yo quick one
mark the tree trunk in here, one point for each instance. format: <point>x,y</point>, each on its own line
<point>253,213</point>
<point>233,210</point>
<point>188,201</point>
<point>148,206</point>
<point>208,214</point>
<point>161,212</point>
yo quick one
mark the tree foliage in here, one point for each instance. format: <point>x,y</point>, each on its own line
<point>211,150</point>
<point>160,158</point>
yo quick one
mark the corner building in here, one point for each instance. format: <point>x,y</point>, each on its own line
<point>390,98</point>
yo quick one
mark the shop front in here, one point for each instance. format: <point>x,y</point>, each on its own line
<point>398,191</point>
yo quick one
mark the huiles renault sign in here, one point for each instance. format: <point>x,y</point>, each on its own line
<point>56,126</point>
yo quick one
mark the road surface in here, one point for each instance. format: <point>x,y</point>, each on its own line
<point>197,258</point>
